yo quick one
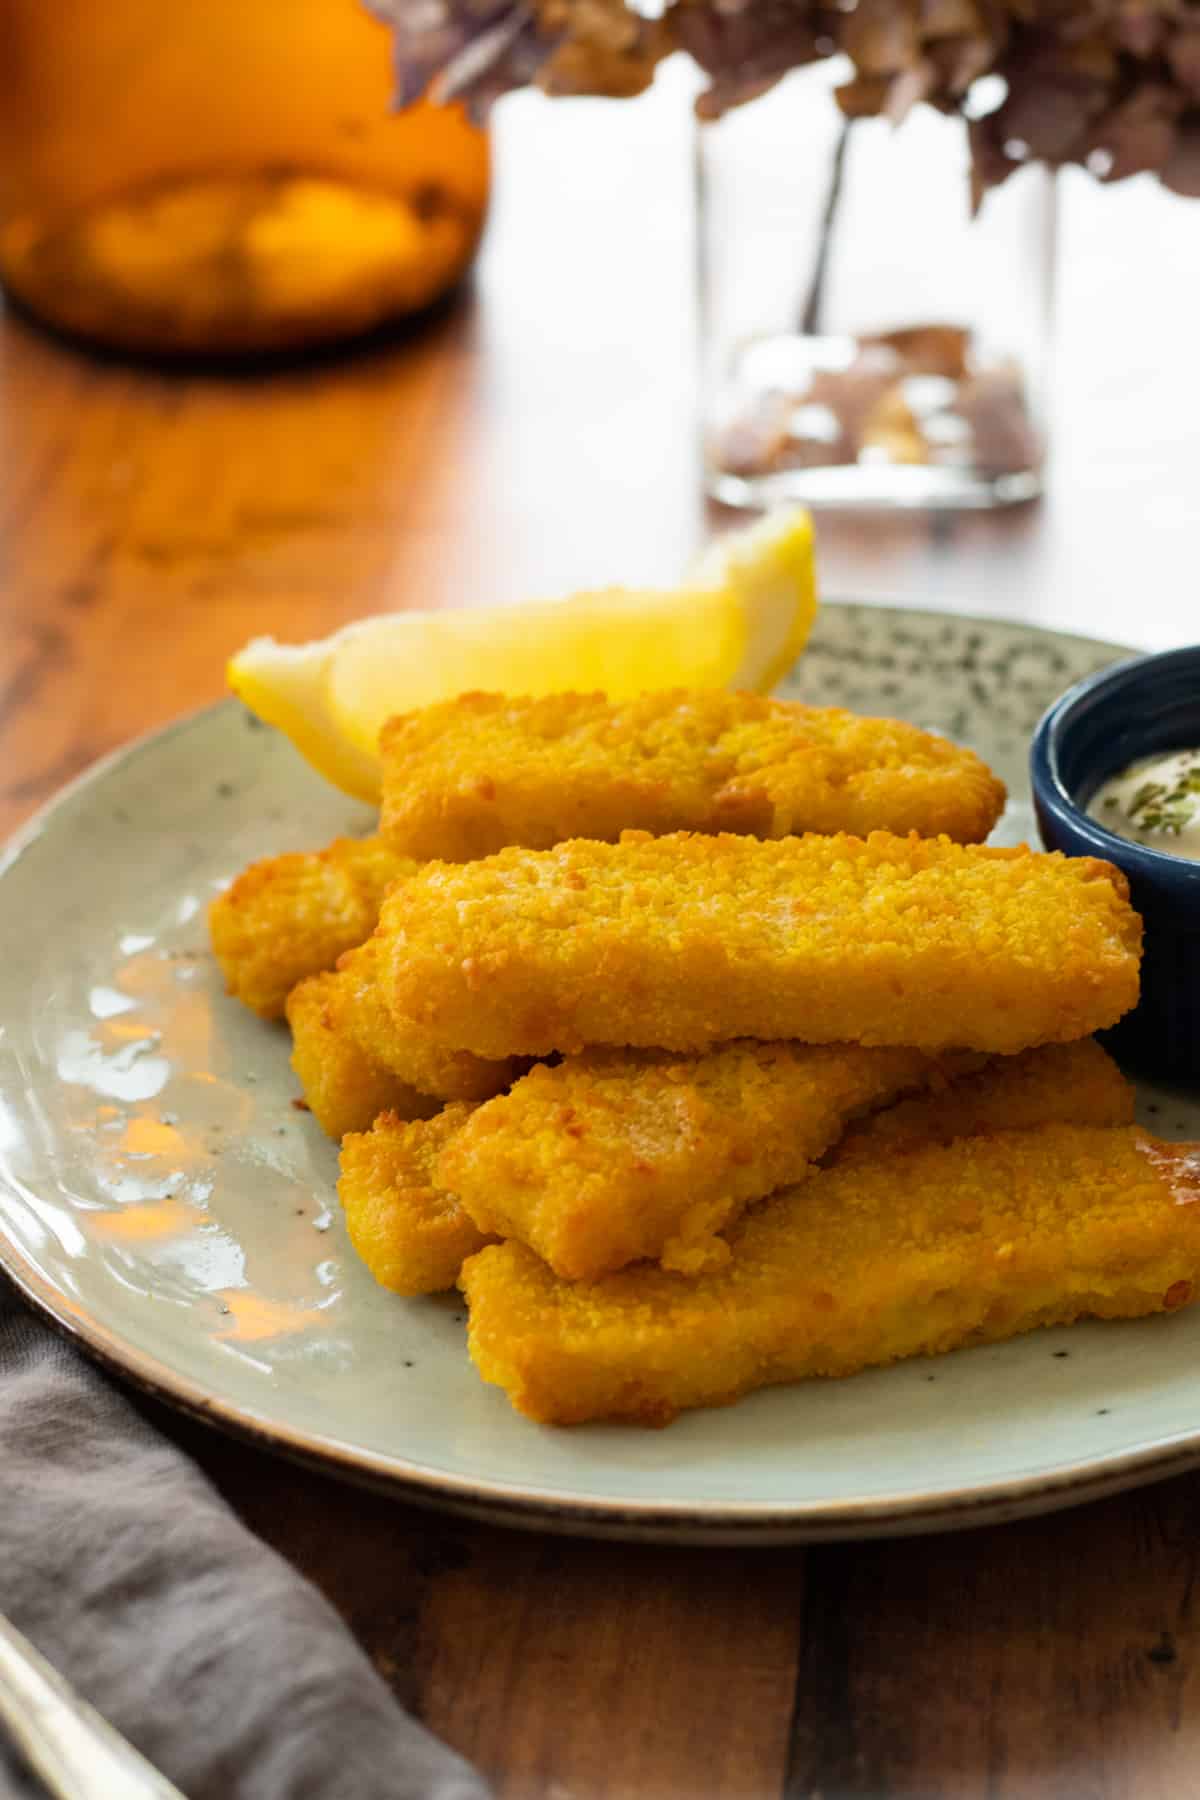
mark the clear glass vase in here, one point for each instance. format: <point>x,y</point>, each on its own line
<point>868,340</point>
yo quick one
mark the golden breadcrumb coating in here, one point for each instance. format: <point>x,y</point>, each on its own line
<point>1076,1084</point>
<point>343,1088</point>
<point>291,916</point>
<point>613,1156</point>
<point>472,775</point>
<point>412,1235</point>
<point>1072,1083</point>
<point>902,1256</point>
<point>679,942</point>
<point>396,1044</point>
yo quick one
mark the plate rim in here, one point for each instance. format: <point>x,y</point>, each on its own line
<point>910,1512</point>
<point>742,1522</point>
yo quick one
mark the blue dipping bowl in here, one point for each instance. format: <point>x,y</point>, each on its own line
<point>1143,707</point>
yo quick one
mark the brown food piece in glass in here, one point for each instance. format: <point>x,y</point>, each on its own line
<point>891,430</point>
<point>927,349</point>
<point>993,406</point>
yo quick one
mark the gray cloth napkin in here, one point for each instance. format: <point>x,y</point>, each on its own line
<point>207,1650</point>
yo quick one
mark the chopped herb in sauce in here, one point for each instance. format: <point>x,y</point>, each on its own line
<point>1155,801</point>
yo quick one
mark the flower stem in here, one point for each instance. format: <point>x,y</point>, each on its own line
<point>814,303</point>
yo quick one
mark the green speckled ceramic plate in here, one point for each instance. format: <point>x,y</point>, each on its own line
<point>162,1198</point>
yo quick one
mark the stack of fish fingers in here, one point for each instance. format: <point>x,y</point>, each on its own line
<point>702,1042</point>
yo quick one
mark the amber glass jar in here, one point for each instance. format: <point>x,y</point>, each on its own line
<point>223,176</point>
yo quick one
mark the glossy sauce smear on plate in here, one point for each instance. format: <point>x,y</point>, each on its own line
<point>1155,801</point>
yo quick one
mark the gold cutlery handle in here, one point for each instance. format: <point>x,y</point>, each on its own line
<point>76,1753</point>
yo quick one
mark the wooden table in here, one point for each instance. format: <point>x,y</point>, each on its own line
<point>537,437</point>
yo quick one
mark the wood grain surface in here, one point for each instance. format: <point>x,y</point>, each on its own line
<point>536,436</point>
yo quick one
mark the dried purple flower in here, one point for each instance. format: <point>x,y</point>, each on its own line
<point>470,50</point>
<point>1112,84</point>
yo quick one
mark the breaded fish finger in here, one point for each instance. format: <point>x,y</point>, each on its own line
<point>400,1046</point>
<point>614,1149</point>
<point>680,942</point>
<point>613,1156</point>
<point>412,1236</point>
<point>1076,1084</point>
<point>472,775</point>
<point>903,1256</point>
<point>290,916</point>
<point>343,1088</point>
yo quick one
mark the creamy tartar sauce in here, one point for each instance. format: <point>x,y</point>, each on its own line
<point>1155,801</point>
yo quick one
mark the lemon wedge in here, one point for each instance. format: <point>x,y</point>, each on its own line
<point>740,620</point>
